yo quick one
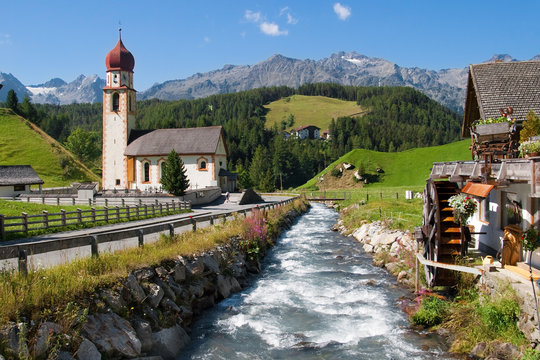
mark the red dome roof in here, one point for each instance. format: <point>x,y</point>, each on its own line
<point>120,58</point>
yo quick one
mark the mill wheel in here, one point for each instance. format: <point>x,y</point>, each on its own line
<point>442,236</point>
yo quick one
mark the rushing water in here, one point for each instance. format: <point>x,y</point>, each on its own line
<point>318,297</point>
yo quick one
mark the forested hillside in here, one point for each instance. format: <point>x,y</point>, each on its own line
<point>397,119</point>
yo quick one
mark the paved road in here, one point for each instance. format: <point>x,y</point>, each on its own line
<point>218,207</point>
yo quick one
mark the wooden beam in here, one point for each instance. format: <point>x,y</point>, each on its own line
<point>453,267</point>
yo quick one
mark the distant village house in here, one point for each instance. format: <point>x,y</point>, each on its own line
<point>308,132</point>
<point>17,179</point>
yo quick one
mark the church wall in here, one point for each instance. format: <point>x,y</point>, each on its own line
<point>197,178</point>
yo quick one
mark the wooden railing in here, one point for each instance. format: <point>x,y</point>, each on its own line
<point>26,223</point>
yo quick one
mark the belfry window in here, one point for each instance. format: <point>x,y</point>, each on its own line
<point>115,102</point>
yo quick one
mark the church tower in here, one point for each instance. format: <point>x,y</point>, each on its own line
<point>119,112</point>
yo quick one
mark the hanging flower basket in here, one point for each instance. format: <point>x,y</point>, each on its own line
<point>464,207</point>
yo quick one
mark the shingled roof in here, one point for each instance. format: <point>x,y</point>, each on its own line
<point>201,140</point>
<point>493,86</point>
<point>18,175</point>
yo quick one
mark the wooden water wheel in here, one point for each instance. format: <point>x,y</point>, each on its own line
<point>441,235</point>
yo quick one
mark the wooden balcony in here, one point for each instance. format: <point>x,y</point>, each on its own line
<point>500,173</point>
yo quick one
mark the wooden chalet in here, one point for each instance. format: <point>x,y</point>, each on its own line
<point>505,188</point>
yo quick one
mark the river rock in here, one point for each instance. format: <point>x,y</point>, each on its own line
<point>179,272</point>
<point>151,315</point>
<point>224,286</point>
<point>88,351</point>
<point>170,305</point>
<point>169,342</point>
<point>134,288</point>
<point>361,234</point>
<point>112,335</point>
<point>402,275</point>
<point>168,292</point>
<point>195,267</point>
<point>144,274</point>
<point>114,300</point>
<point>210,264</point>
<point>13,336</point>
<point>45,331</point>
<point>503,351</point>
<point>197,288</point>
<point>161,272</point>
<point>144,333</point>
<point>154,293</point>
<point>368,248</point>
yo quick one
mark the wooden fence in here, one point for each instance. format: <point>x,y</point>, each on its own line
<point>25,223</point>
<point>22,251</point>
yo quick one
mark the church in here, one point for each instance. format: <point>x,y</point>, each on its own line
<point>133,159</point>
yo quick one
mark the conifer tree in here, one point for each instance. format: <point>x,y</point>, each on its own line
<point>174,179</point>
<point>12,101</point>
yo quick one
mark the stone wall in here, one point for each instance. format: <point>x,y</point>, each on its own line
<point>148,314</point>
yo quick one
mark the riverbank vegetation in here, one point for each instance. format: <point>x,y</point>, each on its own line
<point>48,292</point>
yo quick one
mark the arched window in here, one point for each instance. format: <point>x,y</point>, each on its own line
<point>146,170</point>
<point>115,102</point>
<point>202,164</point>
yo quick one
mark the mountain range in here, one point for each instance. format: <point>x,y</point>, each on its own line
<point>446,86</point>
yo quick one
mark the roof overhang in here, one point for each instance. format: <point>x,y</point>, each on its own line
<point>477,189</point>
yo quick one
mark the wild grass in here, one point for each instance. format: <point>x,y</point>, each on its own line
<point>15,208</point>
<point>396,214</point>
<point>23,143</point>
<point>310,110</point>
<point>53,288</point>
<point>408,168</point>
<point>481,318</point>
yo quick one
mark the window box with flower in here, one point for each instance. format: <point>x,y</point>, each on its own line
<point>529,148</point>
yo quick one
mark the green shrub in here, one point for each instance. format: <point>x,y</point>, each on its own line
<point>336,172</point>
<point>500,315</point>
<point>431,312</point>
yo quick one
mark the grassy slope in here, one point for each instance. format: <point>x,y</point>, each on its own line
<point>310,110</point>
<point>23,143</point>
<point>408,168</point>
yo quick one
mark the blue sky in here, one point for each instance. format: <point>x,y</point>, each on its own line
<point>170,40</point>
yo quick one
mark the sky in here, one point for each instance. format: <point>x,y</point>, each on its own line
<point>41,40</point>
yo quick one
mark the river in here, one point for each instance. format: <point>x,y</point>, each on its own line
<point>317,297</point>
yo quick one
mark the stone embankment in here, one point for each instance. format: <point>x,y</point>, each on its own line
<point>391,249</point>
<point>148,314</point>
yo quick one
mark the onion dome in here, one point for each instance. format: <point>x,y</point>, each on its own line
<point>120,58</point>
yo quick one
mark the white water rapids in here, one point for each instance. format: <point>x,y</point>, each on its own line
<point>318,297</point>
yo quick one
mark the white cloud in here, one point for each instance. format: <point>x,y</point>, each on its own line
<point>272,29</point>
<point>252,16</point>
<point>342,11</point>
<point>5,39</point>
<point>207,39</point>
<point>291,20</point>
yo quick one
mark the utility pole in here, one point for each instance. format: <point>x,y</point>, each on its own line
<point>281,181</point>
